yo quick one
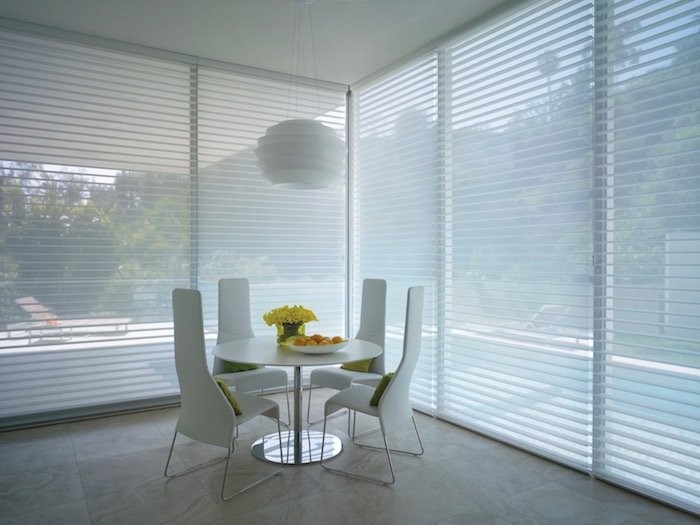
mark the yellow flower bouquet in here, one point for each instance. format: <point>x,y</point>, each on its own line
<point>289,320</point>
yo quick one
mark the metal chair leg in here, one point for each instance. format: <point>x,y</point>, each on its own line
<point>255,483</point>
<point>289,412</point>
<point>172,445</point>
<point>231,450</point>
<point>308,412</point>
<point>308,406</point>
<point>385,448</point>
<point>358,476</point>
<point>398,451</point>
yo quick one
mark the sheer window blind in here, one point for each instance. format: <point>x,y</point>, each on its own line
<point>396,196</point>
<point>566,247</point>
<point>291,244</point>
<point>647,411</point>
<point>518,290</point>
<point>95,205</point>
<point>124,176</point>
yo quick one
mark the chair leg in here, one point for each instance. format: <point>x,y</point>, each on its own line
<point>231,449</point>
<point>279,435</point>
<point>358,476</point>
<point>197,467</point>
<point>398,451</point>
<point>172,445</point>
<point>308,413</point>
<point>308,406</point>
<point>386,449</point>
<point>289,412</point>
<point>225,497</point>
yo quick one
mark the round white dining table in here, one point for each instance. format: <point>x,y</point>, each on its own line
<point>300,446</point>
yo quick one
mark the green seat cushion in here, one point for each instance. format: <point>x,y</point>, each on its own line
<point>383,383</point>
<point>231,367</point>
<point>358,366</point>
<point>231,398</point>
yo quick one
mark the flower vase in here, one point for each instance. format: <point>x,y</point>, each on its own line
<point>287,330</point>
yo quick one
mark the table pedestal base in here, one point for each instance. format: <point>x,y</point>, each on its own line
<point>308,450</point>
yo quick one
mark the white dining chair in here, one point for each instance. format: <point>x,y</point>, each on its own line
<point>234,324</point>
<point>393,408</point>
<point>372,328</point>
<point>206,414</point>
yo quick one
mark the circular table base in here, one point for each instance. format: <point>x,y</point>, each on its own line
<point>267,447</point>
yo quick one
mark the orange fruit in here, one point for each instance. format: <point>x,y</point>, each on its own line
<point>300,341</point>
<point>325,342</point>
<point>311,342</point>
<point>337,339</point>
<point>317,337</point>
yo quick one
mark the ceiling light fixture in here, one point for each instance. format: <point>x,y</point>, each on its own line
<point>301,153</point>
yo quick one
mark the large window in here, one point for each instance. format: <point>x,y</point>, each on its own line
<point>540,174</point>
<point>647,361</point>
<point>94,229</point>
<point>123,176</point>
<point>396,196</point>
<point>517,327</point>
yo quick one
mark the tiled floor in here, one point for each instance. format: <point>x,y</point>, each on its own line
<point>110,470</point>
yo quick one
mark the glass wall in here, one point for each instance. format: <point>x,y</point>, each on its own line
<point>122,177</point>
<point>541,179</point>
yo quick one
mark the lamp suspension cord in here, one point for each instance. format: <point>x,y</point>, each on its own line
<point>313,57</point>
<point>293,92</point>
<point>302,8</point>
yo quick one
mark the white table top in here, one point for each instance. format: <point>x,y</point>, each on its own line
<point>266,351</point>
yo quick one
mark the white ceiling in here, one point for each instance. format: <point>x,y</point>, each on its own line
<point>352,38</point>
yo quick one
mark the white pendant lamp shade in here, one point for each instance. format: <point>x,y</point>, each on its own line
<point>301,154</point>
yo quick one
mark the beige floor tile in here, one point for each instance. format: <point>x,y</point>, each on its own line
<point>549,503</point>
<point>178,500</point>
<point>117,474</point>
<point>115,436</point>
<point>110,470</point>
<point>36,448</point>
<point>321,507</point>
<point>72,513</point>
<point>39,488</point>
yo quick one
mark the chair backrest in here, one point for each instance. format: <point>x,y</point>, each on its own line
<point>234,314</point>
<point>394,406</point>
<point>205,413</point>
<point>373,318</point>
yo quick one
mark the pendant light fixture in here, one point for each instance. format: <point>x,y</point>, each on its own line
<point>301,153</point>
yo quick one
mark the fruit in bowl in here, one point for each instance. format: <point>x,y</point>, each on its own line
<point>316,340</point>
